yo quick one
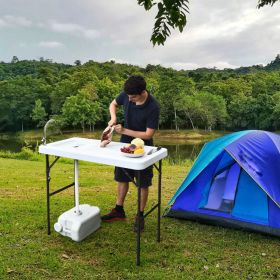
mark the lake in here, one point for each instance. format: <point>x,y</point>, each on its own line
<point>178,149</point>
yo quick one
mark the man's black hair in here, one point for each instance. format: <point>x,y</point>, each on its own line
<point>134,85</point>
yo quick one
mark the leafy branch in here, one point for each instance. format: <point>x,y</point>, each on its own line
<point>266,2</point>
<point>172,14</point>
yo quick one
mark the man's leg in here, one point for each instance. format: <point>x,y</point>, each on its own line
<point>121,192</point>
<point>117,213</point>
<point>144,198</point>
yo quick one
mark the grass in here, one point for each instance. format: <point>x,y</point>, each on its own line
<point>188,250</point>
<point>190,134</point>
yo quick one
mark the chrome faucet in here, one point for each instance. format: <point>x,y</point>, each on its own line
<point>44,139</point>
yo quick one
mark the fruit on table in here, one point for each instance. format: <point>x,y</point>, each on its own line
<point>128,149</point>
<point>138,142</point>
<point>135,147</point>
<point>132,149</point>
<point>139,151</point>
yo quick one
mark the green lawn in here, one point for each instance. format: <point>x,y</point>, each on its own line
<point>188,250</point>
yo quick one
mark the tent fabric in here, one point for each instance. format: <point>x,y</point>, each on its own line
<point>231,182</point>
<point>224,221</point>
<point>235,178</point>
<point>257,154</point>
<point>208,153</point>
<point>192,195</point>
<point>225,162</point>
<point>251,202</point>
<point>222,193</point>
<point>216,193</point>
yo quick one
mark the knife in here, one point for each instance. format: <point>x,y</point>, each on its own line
<point>154,150</point>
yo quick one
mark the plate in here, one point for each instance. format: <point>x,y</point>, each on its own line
<point>132,155</point>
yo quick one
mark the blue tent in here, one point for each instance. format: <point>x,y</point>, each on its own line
<point>235,181</point>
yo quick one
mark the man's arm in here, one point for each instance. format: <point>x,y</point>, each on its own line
<point>145,135</point>
<point>113,112</point>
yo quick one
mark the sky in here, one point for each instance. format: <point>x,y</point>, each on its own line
<point>219,33</point>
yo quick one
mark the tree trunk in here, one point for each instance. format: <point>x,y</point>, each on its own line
<point>22,126</point>
<point>83,126</point>
<point>189,117</point>
<point>175,114</point>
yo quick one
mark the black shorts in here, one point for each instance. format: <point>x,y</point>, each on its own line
<point>146,176</point>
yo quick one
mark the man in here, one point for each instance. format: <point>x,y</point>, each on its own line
<point>141,117</point>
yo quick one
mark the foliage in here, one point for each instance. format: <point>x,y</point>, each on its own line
<point>79,96</point>
<point>172,14</point>
<point>82,108</point>
<point>266,2</point>
<point>38,113</point>
<point>17,96</point>
<point>24,154</point>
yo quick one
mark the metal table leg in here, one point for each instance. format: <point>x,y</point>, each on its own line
<point>159,201</point>
<point>138,217</point>
<point>76,187</point>
<point>48,193</point>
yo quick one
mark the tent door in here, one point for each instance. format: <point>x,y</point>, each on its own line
<point>223,189</point>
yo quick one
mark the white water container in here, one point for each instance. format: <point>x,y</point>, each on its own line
<point>78,226</point>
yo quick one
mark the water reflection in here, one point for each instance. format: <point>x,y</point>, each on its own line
<point>178,151</point>
<point>14,145</point>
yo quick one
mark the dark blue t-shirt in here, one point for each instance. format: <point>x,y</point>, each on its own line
<point>139,117</point>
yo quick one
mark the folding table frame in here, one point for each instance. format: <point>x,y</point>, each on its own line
<point>59,153</point>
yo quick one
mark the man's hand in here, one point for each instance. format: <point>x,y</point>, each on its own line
<point>119,128</point>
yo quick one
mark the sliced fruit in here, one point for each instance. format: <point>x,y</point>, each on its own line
<point>138,142</point>
<point>139,151</point>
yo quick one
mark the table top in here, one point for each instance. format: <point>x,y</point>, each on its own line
<point>90,150</point>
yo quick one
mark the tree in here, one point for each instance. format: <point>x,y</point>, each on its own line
<point>38,113</point>
<point>276,110</point>
<point>172,14</point>
<point>78,62</point>
<point>243,113</point>
<point>213,110</point>
<point>17,98</point>
<point>14,59</point>
<point>70,86</point>
<point>81,109</point>
<point>190,106</point>
<point>229,88</point>
<point>106,91</point>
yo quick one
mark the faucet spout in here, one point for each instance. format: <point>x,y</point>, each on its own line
<point>44,139</point>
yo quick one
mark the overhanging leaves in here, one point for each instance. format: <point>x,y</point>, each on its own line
<point>262,3</point>
<point>171,13</point>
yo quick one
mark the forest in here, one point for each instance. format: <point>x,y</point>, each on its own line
<point>78,95</point>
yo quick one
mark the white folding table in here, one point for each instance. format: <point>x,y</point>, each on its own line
<point>90,150</point>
